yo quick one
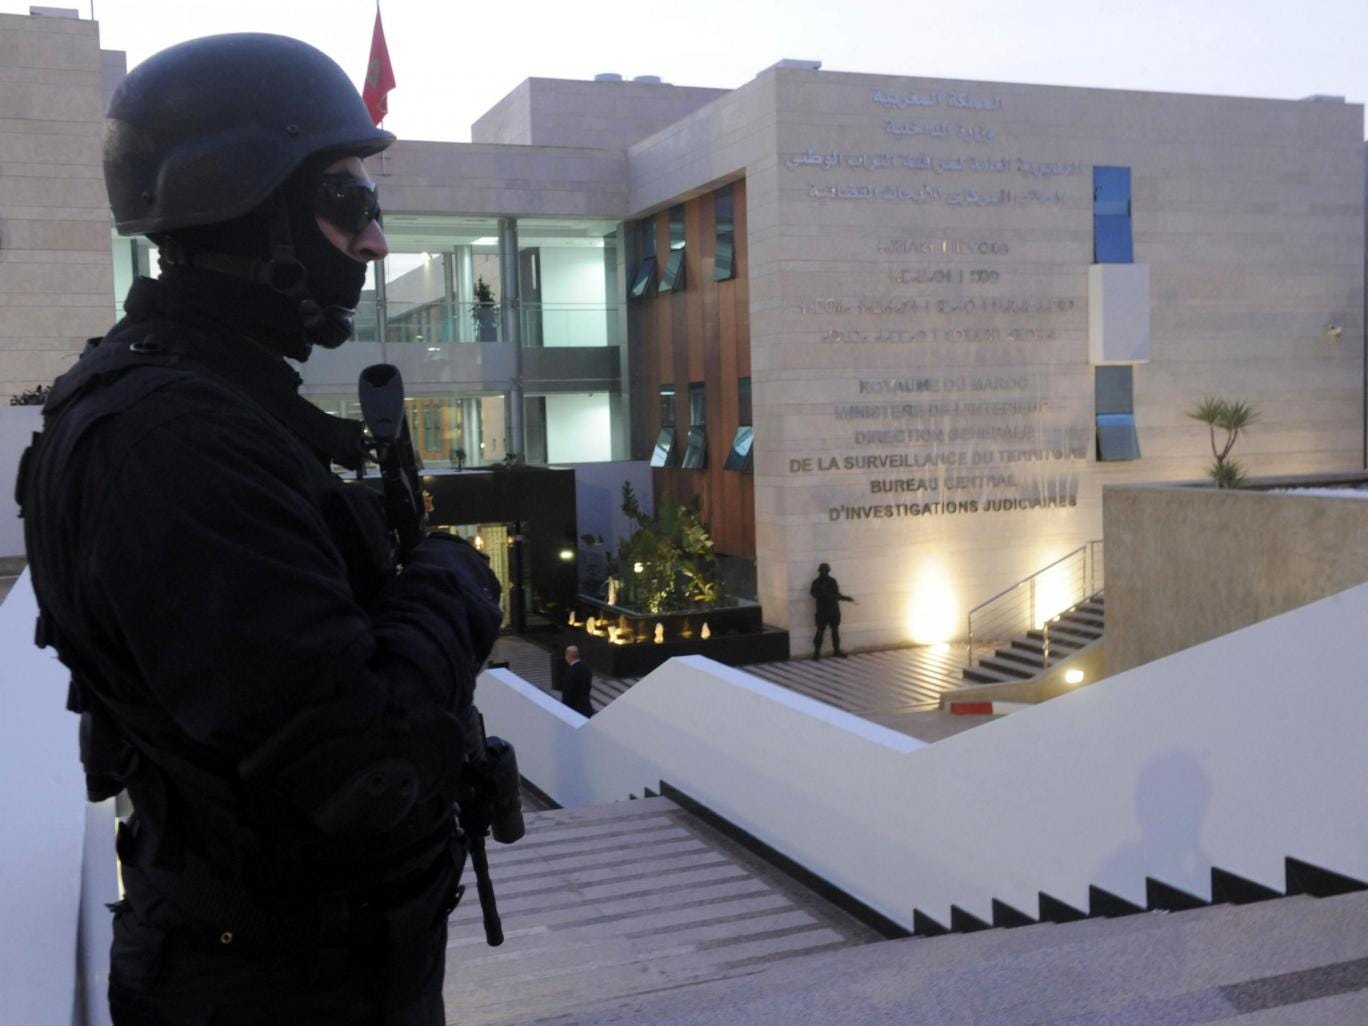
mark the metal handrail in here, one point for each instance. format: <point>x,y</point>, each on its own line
<point>1087,576</point>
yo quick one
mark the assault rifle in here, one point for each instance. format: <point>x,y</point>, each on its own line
<point>488,801</point>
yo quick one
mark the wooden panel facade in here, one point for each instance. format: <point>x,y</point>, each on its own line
<point>700,335</point>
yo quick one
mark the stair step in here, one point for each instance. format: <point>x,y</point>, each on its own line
<point>976,675</point>
<point>1144,968</point>
<point>1019,671</point>
<point>1028,660</point>
<point>1083,620</point>
<point>1071,632</point>
<point>1058,639</point>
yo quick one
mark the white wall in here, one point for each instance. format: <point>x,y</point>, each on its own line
<point>57,850</point>
<point>578,428</point>
<point>574,307</point>
<point>1236,754</point>
<point>17,425</point>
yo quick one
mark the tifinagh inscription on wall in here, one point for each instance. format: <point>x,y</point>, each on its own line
<point>969,421</point>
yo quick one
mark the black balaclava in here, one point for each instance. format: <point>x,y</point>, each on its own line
<point>230,291</point>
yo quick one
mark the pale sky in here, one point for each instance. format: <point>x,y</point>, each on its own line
<point>453,60</point>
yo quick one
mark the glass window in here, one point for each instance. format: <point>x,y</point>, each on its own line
<point>1112,240</point>
<point>696,451</point>
<point>667,404</point>
<point>739,458</point>
<point>1116,438</point>
<point>1114,399</point>
<point>698,409</point>
<point>1114,390</point>
<point>648,238</point>
<point>724,266</point>
<point>440,284</point>
<point>673,278</point>
<point>664,453</point>
<point>743,401</point>
<point>677,226</point>
<point>1112,216</point>
<point>1112,191</point>
<point>644,276</point>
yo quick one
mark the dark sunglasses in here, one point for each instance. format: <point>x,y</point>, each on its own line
<point>346,202</point>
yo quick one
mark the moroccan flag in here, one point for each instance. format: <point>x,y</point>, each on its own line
<point>379,74</point>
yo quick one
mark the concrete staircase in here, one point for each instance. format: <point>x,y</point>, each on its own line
<point>1024,657</point>
<point>638,912</point>
<point>1294,962</point>
<point>605,903</point>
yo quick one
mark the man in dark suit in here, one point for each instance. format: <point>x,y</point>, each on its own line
<point>578,680</point>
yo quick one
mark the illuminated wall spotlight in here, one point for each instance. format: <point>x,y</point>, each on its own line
<point>932,614</point>
<point>567,555</point>
<point>1073,676</point>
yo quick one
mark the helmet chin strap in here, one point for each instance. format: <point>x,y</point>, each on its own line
<point>282,272</point>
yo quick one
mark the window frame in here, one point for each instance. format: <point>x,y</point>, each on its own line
<point>724,259</point>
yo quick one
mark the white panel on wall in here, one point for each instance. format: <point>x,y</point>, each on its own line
<point>574,308</point>
<point>578,429</point>
<point>1119,313</point>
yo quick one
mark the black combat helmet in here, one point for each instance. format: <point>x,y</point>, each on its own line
<point>207,130</point>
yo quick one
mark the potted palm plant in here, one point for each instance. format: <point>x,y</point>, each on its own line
<point>486,314</point>
<point>1231,416</point>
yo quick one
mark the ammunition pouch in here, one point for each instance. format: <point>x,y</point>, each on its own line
<point>108,759</point>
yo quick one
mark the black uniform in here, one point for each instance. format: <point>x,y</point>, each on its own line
<point>828,614</point>
<point>283,707</point>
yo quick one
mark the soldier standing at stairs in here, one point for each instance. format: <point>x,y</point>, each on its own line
<point>829,598</point>
<point>286,707</point>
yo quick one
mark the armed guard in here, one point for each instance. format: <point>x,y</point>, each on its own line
<point>286,708</point>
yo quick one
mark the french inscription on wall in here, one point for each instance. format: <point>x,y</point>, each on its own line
<point>969,425</point>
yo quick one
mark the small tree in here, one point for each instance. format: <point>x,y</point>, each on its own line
<point>674,551</point>
<point>1231,416</point>
<point>486,316</point>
